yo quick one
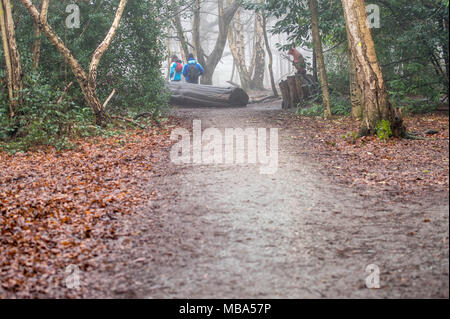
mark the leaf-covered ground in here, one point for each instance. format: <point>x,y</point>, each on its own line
<point>398,167</point>
<point>59,208</point>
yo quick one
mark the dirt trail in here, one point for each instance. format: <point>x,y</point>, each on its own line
<point>230,232</point>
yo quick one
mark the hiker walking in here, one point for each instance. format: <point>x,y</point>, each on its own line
<point>176,69</point>
<point>192,70</point>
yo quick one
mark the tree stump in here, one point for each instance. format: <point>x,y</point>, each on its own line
<point>284,88</point>
<point>296,89</point>
<point>294,99</point>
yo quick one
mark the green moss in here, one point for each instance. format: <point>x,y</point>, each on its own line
<point>383,130</point>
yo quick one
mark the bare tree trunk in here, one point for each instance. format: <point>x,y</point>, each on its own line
<point>183,54</point>
<point>87,82</point>
<point>12,57</point>
<point>36,51</point>
<point>233,71</point>
<point>180,32</point>
<point>198,48</point>
<point>169,54</point>
<point>9,71</point>
<point>314,58</point>
<point>443,27</point>
<point>269,53</point>
<point>374,97</point>
<point>320,59</point>
<point>225,17</point>
<point>237,48</point>
<point>355,94</point>
<point>260,54</point>
<point>16,65</point>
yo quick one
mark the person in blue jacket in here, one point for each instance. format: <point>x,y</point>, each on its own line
<point>176,69</point>
<point>192,70</point>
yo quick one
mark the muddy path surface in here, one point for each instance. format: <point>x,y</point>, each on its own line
<point>231,232</point>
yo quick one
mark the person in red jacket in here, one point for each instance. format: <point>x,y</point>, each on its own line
<point>299,61</point>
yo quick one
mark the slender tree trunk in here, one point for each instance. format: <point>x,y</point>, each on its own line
<point>260,54</point>
<point>36,51</point>
<point>180,31</point>
<point>314,58</point>
<point>87,82</point>
<point>9,71</point>
<point>237,48</point>
<point>320,59</point>
<point>232,71</point>
<point>15,64</point>
<point>169,54</point>
<point>198,48</point>
<point>374,97</point>
<point>355,94</point>
<point>443,27</point>
<point>269,53</point>
<point>183,54</point>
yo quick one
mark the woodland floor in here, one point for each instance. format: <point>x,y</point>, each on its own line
<point>139,226</point>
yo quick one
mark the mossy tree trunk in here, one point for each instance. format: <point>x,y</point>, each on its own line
<point>374,97</point>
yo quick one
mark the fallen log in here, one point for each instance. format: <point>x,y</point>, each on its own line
<point>193,95</point>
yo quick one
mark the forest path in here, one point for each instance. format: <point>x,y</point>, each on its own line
<point>231,232</point>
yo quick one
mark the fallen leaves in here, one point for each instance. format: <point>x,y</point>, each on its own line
<point>397,167</point>
<point>59,208</point>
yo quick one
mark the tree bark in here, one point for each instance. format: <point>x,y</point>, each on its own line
<point>237,48</point>
<point>15,76</point>
<point>292,85</point>
<point>374,97</point>
<point>36,51</point>
<point>355,93</point>
<point>6,53</point>
<point>299,88</point>
<point>284,88</point>
<point>16,65</point>
<point>269,53</point>
<point>314,58</point>
<point>294,90</point>
<point>169,55</point>
<point>260,54</point>
<point>320,59</point>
